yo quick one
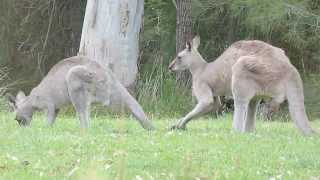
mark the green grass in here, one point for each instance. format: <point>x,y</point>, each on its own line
<point>120,148</point>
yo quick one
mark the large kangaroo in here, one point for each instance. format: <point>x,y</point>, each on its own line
<point>80,81</point>
<point>248,70</point>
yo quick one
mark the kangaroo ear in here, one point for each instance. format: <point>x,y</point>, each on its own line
<point>20,96</point>
<point>196,42</point>
<point>188,45</point>
<point>12,101</point>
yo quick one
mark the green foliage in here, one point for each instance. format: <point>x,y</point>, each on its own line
<point>120,148</point>
<point>312,91</point>
<point>291,25</point>
<point>3,79</point>
<point>157,88</point>
<point>158,37</point>
<point>35,34</point>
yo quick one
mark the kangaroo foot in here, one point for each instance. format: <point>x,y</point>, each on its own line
<point>178,126</point>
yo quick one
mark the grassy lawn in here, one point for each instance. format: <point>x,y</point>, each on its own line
<point>120,148</point>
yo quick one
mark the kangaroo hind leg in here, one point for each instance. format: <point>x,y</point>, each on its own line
<point>251,115</point>
<point>244,88</point>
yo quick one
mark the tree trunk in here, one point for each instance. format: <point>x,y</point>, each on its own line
<point>75,21</point>
<point>110,35</point>
<point>183,29</point>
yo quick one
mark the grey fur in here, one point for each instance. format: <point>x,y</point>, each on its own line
<point>80,81</point>
<point>247,70</point>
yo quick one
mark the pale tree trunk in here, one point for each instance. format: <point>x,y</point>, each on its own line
<point>110,35</point>
<point>183,29</point>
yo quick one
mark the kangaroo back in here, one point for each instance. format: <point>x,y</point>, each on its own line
<point>93,83</point>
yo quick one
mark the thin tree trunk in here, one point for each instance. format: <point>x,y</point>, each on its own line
<point>75,20</point>
<point>183,29</point>
<point>110,35</point>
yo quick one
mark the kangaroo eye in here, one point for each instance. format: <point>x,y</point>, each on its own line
<point>179,59</point>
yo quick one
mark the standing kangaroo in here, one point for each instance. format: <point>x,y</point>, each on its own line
<point>80,81</point>
<point>247,70</point>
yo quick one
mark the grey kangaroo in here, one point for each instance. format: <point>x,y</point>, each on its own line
<point>80,81</point>
<point>247,70</point>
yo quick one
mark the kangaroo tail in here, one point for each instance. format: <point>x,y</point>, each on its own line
<point>295,97</point>
<point>134,107</point>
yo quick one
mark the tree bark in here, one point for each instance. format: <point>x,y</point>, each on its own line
<point>183,29</point>
<point>110,35</point>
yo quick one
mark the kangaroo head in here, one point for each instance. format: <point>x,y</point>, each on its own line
<point>187,57</point>
<point>22,107</point>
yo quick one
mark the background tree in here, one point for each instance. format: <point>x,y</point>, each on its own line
<point>183,29</point>
<point>36,34</point>
<point>110,35</point>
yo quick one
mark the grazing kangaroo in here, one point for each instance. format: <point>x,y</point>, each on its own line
<point>248,70</point>
<point>80,81</point>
